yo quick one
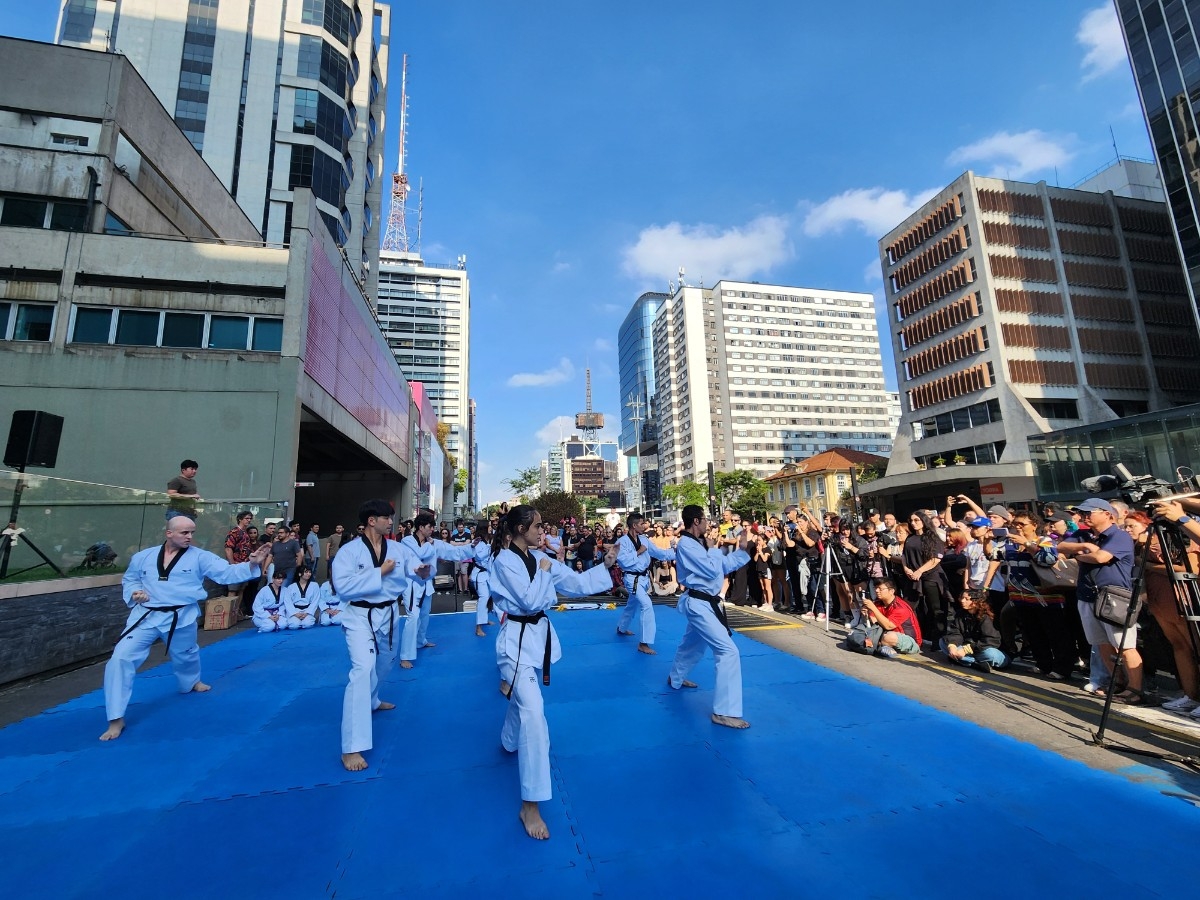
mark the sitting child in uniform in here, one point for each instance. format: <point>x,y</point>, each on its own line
<point>270,607</point>
<point>303,599</point>
<point>331,605</point>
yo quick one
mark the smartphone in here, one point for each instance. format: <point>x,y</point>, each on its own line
<point>1000,534</point>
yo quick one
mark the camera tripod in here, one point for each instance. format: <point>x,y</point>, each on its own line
<point>1185,587</point>
<point>14,534</point>
<point>829,567</point>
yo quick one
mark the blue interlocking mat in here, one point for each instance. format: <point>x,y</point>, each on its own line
<point>838,788</point>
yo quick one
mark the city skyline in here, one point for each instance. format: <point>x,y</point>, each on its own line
<point>624,146</point>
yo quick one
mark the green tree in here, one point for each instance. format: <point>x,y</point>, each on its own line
<point>557,505</point>
<point>589,505</point>
<point>743,492</point>
<point>686,493</point>
<point>524,483</point>
<point>460,482</point>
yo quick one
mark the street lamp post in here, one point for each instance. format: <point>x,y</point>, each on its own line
<point>635,403</point>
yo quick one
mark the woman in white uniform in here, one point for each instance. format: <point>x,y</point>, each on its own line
<point>524,583</point>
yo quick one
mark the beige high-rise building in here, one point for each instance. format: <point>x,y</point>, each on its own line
<point>751,376</point>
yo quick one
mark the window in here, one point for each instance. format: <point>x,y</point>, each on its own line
<point>113,225</point>
<point>21,213</point>
<point>92,326</point>
<point>69,140</point>
<point>138,328</point>
<point>183,330</point>
<point>67,216</point>
<point>268,335</point>
<point>228,333</point>
<point>33,322</point>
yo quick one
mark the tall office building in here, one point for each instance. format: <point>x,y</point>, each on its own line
<point>274,94</point>
<point>1165,53</point>
<point>639,442</point>
<point>1018,309</point>
<point>750,376</point>
<point>425,313</point>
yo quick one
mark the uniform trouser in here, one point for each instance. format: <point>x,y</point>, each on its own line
<point>416,625</point>
<point>327,619</point>
<point>266,625</point>
<point>704,629</point>
<point>485,594</point>
<point>367,668</point>
<point>639,602</point>
<point>131,651</point>
<point>526,731</point>
<point>308,621</point>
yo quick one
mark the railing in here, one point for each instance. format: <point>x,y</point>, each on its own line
<point>59,528</point>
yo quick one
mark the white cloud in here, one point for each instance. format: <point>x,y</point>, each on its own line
<point>613,309</point>
<point>603,346</point>
<point>554,431</point>
<point>875,211</point>
<point>561,267</point>
<point>1015,155</point>
<point>1100,33</point>
<point>706,252</point>
<point>873,273</point>
<point>564,371</point>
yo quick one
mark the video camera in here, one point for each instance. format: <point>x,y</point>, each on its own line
<point>1142,491</point>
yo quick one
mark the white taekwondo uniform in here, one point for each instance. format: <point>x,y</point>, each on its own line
<point>635,569</point>
<point>307,602</point>
<point>332,608</point>
<point>480,575</point>
<point>527,643</point>
<point>369,621</point>
<point>418,599</point>
<point>266,604</point>
<point>170,613</point>
<point>702,569</point>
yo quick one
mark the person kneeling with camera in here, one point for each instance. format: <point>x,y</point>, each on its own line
<point>972,638</point>
<point>888,625</point>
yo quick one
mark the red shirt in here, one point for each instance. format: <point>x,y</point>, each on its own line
<point>239,542</point>
<point>900,614</point>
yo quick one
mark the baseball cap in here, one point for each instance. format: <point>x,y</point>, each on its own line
<point>1000,511</point>
<point>980,522</point>
<point>1094,503</point>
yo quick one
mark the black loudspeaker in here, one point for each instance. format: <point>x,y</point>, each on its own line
<point>33,439</point>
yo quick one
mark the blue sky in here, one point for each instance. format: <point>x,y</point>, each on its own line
<point>579,153</point>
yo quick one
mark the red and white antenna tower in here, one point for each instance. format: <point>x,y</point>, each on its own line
<point>395,238</point>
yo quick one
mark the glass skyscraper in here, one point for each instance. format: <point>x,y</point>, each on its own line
<point>1162,39</point>
<point>635,355</point>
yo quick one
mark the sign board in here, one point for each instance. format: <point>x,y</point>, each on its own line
<point>992,490</point>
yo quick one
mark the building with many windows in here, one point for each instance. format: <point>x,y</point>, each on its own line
<point>639,440</point>
<point>1164,49</point>
<point>275,95</point>
<point>750,376</point>
<point>821,481</point>
<point>425,313</point>
<point>1019,309</point>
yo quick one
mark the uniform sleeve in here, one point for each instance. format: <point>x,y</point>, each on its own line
<point>663,553</point>
<point>219,570</point>
<point>289,596</point>
<point>510,579</point>
<point>352,581</point>
<point>453,552</point>
<point>734,561</point>
<point>580,584</point>
<point>132,579</point>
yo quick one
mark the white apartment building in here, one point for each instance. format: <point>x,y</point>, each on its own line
<point>425,313</point>
<point>274,94</point>
<point>750,376</point>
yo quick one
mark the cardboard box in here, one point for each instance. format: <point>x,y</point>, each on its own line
<point>220,613</point>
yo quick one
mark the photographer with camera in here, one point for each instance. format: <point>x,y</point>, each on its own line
<point>1106,557</point>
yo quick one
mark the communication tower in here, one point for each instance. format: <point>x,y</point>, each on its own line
<point>395,238</point>
<point>589,423</point>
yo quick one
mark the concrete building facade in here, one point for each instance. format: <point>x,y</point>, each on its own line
<point>275,94</point>
<point>1019,309</point>
<point>265,364</point>
<point>750,376</point>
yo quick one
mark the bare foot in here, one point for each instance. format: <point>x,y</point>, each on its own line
<point>683,684</point>
<point>730,721</point>
<point>505,688</point>
<point>624,633</point>
<point>406,664</point>
<point>384,706</point>
<point>354,762</point>
<point>531,818</point>
<point>479,632</point>
<point>428,644</point>
<point>200,687</point>
<point>115,727</point>
<point>646,648</point>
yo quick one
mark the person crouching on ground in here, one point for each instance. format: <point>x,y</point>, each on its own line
<point>888,625</point>
<point>972,638</point>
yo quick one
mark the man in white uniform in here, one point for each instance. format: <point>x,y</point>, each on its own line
<point>633,556</point>
<point>423,553</point>
<point>370,574</point>
<point>163,587</point>
<point>701,572</point>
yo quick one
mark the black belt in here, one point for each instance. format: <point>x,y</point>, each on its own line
<point>531,620</point>
<point>636,576</point>
<point>371,607</point>
<point>173,610</point>
<point>305,606</point>
<point>713,601</point>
